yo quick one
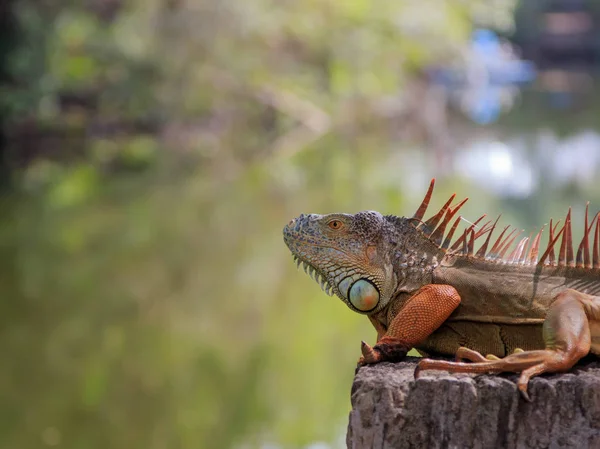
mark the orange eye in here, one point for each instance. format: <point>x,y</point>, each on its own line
<point>335,224</point>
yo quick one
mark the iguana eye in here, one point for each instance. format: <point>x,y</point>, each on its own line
<point>335,224</point>
<point>363,295</point>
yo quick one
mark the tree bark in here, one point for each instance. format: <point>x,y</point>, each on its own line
<point>440,410</point>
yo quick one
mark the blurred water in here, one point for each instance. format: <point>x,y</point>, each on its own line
<point>514,167</point>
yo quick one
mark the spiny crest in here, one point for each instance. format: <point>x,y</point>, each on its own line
<point>526,250</point>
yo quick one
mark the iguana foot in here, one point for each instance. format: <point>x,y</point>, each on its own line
<point>528,363</point>
<point>463,353</point>
<point>495,357</point>
<point>387,349</point>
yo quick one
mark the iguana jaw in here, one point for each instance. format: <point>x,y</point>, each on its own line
<point>320,277</point>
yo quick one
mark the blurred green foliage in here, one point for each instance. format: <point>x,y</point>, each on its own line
<point>148,299</point>
<point>228,79</point>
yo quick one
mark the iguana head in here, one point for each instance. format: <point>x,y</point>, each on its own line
<point>349,255</point>
<point>366,258</point>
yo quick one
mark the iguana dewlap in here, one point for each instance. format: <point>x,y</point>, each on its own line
<point>422,288</point>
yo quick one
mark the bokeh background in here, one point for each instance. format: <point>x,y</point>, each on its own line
<point>152,150</point>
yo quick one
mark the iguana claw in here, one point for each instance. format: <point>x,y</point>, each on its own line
<point>524,394</point>
<point>369,355</point>
<point>417,372</point>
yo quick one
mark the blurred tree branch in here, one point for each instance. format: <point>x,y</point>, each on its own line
<point>313,121</point>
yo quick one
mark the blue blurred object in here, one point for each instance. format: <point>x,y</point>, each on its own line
<point>490,72</point>
<point>501,64</point>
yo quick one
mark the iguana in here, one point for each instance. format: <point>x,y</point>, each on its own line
<point>423,289</point>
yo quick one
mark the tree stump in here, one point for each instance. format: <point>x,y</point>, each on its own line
<point>440,410</point>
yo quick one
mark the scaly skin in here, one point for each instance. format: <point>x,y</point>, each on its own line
<point>528,316</point>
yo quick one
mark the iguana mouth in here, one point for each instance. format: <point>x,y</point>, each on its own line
<point>314,273</point>
<point>295,241</point>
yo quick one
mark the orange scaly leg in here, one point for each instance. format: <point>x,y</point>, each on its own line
<point>422,314</point>
<point>566,334</point>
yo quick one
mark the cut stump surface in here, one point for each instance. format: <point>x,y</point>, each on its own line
<point>440,410</point>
